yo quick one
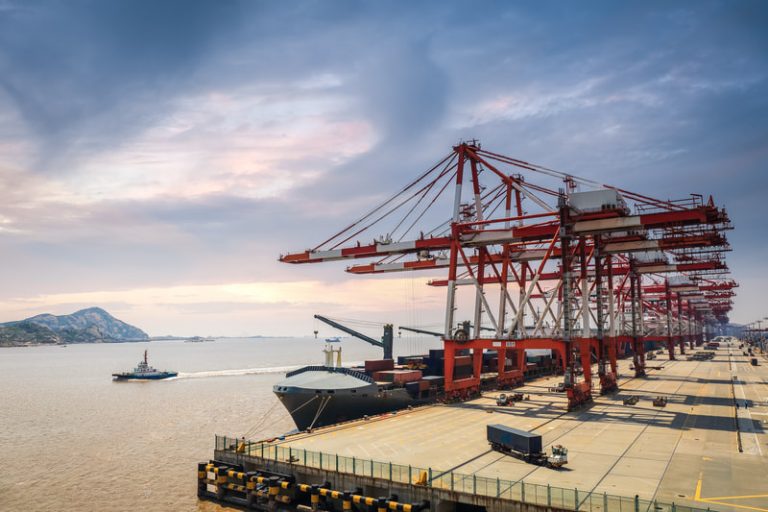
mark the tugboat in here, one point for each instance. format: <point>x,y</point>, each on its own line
<point>144,372</point>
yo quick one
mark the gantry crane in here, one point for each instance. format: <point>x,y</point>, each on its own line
<point>584,269</point>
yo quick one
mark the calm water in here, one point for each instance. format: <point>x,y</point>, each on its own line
<point>72,439</point>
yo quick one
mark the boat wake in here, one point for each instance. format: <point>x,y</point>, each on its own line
<point>244,371</point>
<point>234,373</point>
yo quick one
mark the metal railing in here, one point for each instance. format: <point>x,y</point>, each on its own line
<point>519,491</point>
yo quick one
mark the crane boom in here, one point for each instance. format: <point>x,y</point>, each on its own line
<point>385,343</point>
<point>421,331</point>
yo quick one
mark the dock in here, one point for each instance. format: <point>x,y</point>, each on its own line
<point>700,451</point>
<point>536,259</point>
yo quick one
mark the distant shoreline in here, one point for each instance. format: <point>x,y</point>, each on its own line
<point>45,344</point>
<point>192,339</point>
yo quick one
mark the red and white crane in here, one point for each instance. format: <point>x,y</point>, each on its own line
<point>546,260</point>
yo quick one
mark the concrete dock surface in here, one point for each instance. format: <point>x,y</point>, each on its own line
<point>687,452</point>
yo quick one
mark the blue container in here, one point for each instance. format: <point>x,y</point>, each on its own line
<point>514,439</point>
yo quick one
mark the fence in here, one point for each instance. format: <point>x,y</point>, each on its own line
<point>520,491</point>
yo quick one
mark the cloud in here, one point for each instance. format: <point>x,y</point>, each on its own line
<point>189,143</point>
<point>88,74</point>
<point>264,307</point>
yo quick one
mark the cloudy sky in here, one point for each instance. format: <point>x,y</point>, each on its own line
<point>157,157</point>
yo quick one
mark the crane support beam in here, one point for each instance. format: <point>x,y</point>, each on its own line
<point>691,217</point>
<point>368,251</point>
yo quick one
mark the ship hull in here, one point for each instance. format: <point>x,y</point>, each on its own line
<point>322,397</point>
<point>165,375</point>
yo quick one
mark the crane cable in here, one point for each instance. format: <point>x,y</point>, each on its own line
<point>382,205</point>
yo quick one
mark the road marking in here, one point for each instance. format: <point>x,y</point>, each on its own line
<point>697,494</point>
<point>734,505</point>
<point>745,497</point>
<point>717,499</point>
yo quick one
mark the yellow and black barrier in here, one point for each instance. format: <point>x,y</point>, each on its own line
<point>230,483</point>
<point>347,499</point>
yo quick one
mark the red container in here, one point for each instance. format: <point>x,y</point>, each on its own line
<point>398,376</point>
<point>463,361</point>
<point>384,376</point>
<point>378,365</point>
<point>403,376</point>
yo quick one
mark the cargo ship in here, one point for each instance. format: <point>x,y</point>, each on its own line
<point>144,372</point>
<point>330,393</point>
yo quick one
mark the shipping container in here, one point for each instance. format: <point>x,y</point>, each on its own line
<point>512,439</point>
<point>435,367</point>
<point>378,376</point>
<point>461,372</point>
<point>403,360</point>
<point>463,361</point>
<point>398,376</point>
<point>377,365</point>
<point>434,380</point>
<point>412,387</point>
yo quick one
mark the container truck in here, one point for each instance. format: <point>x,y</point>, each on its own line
<point>525,446</point>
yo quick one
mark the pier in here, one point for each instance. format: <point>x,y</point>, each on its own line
<point>698,452</point>
<point>659,410</point>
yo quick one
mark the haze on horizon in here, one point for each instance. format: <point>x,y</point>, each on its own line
<point>157,157</point>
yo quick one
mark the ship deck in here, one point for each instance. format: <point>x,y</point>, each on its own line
<point>686,452</point>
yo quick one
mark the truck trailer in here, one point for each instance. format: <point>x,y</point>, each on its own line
<point>525,446</point>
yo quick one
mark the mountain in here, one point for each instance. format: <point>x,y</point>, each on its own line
<point>92,325</point>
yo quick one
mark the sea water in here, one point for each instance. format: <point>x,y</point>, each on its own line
<point>73,439</point>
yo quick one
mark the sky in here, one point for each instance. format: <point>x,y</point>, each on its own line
<point>157,157</point>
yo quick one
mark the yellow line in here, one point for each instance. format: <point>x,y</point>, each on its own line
<point>743,497</point>
<point>734,505</point>
<point>697,495</point>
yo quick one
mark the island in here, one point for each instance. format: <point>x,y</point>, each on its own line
<point>91,325</point>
